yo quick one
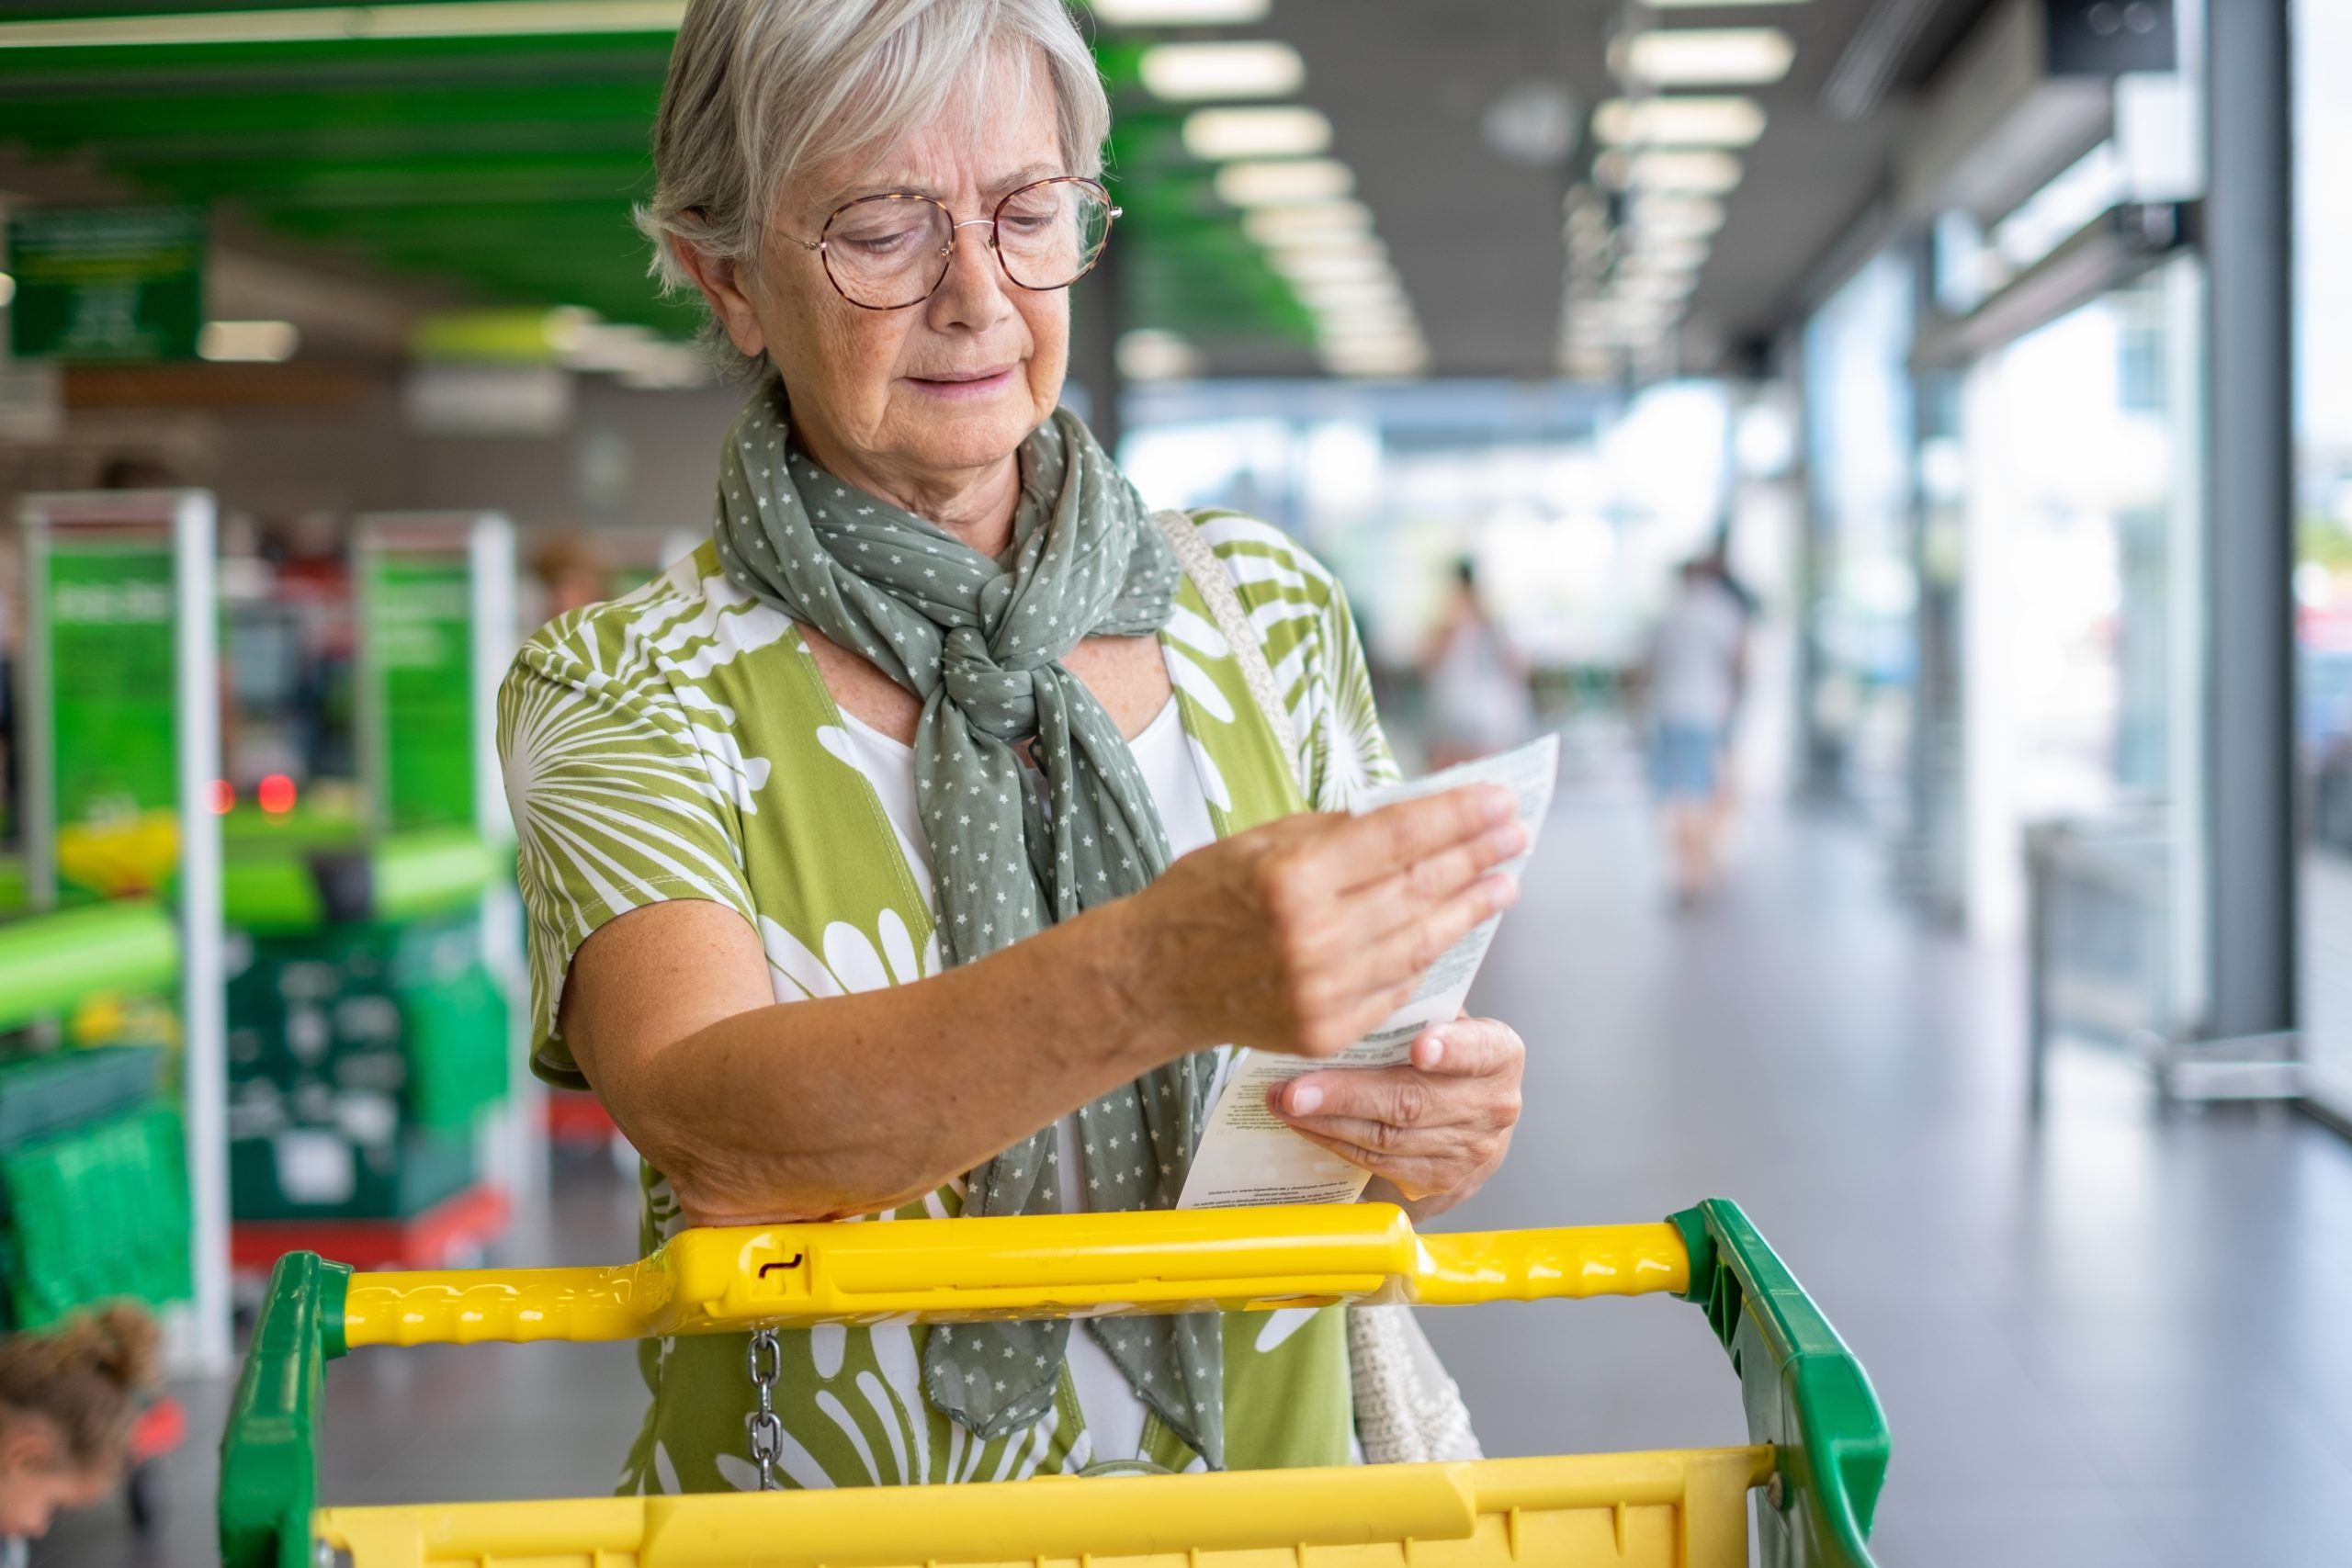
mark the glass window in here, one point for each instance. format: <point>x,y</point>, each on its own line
<point>1858,435</point>
<point>2323,198</point>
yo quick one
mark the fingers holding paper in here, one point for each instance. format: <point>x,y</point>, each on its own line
<point>1434,1128</point>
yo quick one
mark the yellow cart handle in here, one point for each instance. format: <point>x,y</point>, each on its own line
<point>792,1276</point>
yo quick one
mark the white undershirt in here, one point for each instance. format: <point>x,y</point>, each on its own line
<point>1114,1412</point>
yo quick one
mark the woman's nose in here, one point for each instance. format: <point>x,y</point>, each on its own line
<point>975,280</point>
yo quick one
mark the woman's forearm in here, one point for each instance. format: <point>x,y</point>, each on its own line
<point>847,1105</point>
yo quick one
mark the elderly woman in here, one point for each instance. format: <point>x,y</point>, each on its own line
<point>916,847</point>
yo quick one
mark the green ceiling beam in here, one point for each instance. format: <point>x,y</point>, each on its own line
<point>296,66</point>
<point>80,119</point>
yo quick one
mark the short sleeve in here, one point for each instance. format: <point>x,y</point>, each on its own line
<point>615,808</point>
<point>1313,649</point>
<point>1348,749</point>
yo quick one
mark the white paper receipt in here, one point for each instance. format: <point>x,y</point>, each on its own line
<point>1248,1155</point>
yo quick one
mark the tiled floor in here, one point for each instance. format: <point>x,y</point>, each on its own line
<point>2119,1340</point>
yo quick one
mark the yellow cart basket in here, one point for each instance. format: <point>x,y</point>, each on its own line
<point>1815,1456</point>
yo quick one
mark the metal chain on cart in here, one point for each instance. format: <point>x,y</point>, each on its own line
<point>767,1432</point>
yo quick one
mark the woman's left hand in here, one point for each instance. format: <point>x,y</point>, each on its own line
<point>1434,1130</point>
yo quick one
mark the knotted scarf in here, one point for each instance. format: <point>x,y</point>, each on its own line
<point>980,642</point>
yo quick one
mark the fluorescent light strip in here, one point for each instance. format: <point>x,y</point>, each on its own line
<point>1315,248</point>
<point>1181,12</point>
<point>1688,171</point>
<point>1308,266</point>
<point>1308,222</point>
<point>1276,131</point>
<point>1274,182</point>
<point>1679,122</point>
<point>1693,57</point>
<point>1342,294</point>
<point>488,18</point>
<point>1194,72</point>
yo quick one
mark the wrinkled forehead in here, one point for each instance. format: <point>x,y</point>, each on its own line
<point>998,131</point>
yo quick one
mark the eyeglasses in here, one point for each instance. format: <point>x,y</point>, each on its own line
<point>887,251</point>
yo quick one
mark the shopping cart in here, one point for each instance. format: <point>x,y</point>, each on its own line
<point>1817,1444</point>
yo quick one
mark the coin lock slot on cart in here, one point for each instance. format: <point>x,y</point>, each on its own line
<point>784,1279</point>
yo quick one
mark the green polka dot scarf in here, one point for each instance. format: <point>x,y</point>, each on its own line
<point>981,641</point>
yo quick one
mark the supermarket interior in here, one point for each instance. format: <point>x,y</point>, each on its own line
<point>1872,477</point>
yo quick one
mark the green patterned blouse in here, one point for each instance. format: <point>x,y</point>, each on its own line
<point>681,743</point>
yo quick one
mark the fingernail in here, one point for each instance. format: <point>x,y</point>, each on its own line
<point>1500,807</point>
<point>1305,1098</point>
<point>1433,1049</point>
<point>1506,840</point>
<point>1503,892</point>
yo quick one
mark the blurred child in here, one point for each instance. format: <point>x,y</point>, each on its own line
<point>68,1398</point>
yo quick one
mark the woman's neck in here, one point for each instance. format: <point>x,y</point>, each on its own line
<point>976,505</point>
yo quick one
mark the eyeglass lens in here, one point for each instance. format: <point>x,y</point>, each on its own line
<point>886,251</point>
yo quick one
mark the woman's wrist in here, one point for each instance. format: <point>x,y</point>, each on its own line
<point>1136,1003</point>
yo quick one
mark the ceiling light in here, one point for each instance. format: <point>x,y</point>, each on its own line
<point>1181,12</point>
<point>1675,216</point>
<point>1370,340</point>
<point>1382,326</point>
<point>1190,72</point>
<point>346,24</point>
<point>1681,254</point>
<point>1342,294</point>
<point>260,343</point>
<point>1696,173</point>
<point>1286,131</point>
<point>1679,122</point>
<point>1656,286</point>
<point>1319,246</point>
<point>1307,221</point>
<point>1315,267</point>
<point>1385,313</point>
<point>1274,182</point>
<point>1149,355</point>
<point>1694,57</point>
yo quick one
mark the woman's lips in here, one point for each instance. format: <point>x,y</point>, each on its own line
<point>977,384</point>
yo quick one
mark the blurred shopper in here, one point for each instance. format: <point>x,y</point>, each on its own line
<point>68,1400</point>
<point>1478,700</point>
<point>852,851</point>
<point>1697,670</point>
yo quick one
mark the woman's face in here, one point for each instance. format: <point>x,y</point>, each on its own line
<point>920,397</point>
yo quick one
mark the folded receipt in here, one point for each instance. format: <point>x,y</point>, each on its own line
<point>1248,1155</point>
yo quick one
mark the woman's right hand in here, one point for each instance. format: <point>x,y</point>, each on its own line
<point>1301,935</point>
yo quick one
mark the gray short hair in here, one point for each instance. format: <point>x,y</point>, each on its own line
<point>760,90</point>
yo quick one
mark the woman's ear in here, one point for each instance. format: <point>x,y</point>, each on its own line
<point>721,282</point>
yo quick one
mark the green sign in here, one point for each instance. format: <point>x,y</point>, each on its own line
<point>418,628</point>
<point>112,671</point>
<point>106,283</point>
